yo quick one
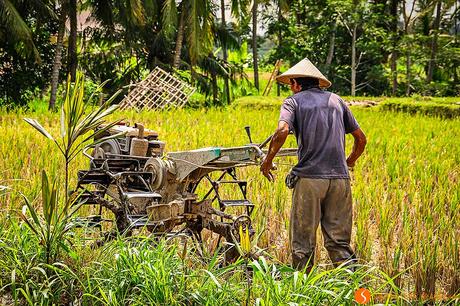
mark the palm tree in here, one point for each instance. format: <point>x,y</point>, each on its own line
<point>239,10</point>
<point>179,40</point>
<point>14,29</point>
<point>66,8</point>
<point>224,51</point>
<point>212,68</point>
<point>57,62</point>
<point>254,44</point>
<point>72,47</point>
<point>108,12</point>
<point>394,45</point>
<point>227,39</point>
<point>195,23</point>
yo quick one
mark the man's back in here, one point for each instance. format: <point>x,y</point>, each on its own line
<point>320,121</point>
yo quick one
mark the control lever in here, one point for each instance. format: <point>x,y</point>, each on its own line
<point>248,131</point>
<point>264,143</point>
<point>269,138</point>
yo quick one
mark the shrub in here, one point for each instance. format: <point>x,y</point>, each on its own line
<point>425,108</point>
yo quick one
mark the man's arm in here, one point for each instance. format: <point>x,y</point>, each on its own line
<point>358,147</point>
<point>278,139</point>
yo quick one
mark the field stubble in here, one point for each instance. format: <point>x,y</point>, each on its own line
<point>405,187</point>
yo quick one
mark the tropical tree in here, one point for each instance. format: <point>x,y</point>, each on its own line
<point>240,12</point>
<point>25,49</point>
<point>434,41</point>
<point>13,27</point>
<point>440,12</point>
<point>255,60</point>
<point>350,15</point>
<point>410,16</point>
<point>195,22</point>
<point>224,50</point>
<point>224,38</point>
<point>114,49</point>
<point>71,6</point>
<point>57,62</point>
<point>394,4</point>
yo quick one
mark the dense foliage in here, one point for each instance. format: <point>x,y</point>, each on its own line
<point>26,50</point>
<point>391,47</point>
<point>397,47</point>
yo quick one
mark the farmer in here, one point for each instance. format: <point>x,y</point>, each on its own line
<point>322,194</point>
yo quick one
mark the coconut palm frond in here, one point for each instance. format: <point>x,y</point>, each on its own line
<point>44,8</point>
<point>226,37</point>
<point>207,38</point>
<point>211,64</point>
<point>169,17</point>
<point>17,30</point>
<point>240,8</point>
<point>193,30</point>
<point>285,5</point>
<point>199,29</point>
<point>103,11</point>
<point>152,8</point>
<point>136,12</point>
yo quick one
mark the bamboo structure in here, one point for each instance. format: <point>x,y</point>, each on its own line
<point>160,90</point>
<point>275,72</point>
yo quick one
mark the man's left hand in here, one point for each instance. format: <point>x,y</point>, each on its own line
<point>350,163</point>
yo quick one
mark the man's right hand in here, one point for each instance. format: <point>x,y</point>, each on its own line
<point>278,139</point>
<point>266,168</point>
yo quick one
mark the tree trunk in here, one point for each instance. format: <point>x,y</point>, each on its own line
<point>254,45</point>
<point>394,73</point>
<point>330,54</point>
<point>224,54</point>
<point>179,40</point>
<point>280,42</point>
<point>407,30</point>
<point>57,59</point>
<point>214,84</point>
<point>408,74</point>
<point>72,48</point>
<point>353,61</point>
<point>434,43</point>
<point>394,53</point>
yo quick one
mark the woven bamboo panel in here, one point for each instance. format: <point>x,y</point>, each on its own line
<point>159,90</point>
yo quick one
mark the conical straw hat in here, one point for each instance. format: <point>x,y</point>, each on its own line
<point>304,68</point>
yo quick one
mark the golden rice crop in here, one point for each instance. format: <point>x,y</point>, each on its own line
<point>405,187</point>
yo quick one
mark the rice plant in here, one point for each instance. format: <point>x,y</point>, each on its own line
<point>406,211</point>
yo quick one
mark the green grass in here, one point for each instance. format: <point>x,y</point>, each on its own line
<point>149,272</point>
<point>415,99</point>
<point>437,107</point>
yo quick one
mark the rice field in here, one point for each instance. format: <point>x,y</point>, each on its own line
<point>406,190</point>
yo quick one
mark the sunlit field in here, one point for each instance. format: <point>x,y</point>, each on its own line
<point>405,188</point>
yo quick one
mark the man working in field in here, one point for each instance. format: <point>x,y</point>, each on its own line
<point>321,182</point>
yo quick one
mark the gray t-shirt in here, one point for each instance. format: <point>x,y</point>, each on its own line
<point>320,120</point>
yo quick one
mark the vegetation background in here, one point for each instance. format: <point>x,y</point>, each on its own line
<point>227,48</point>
